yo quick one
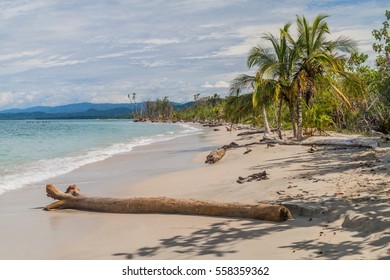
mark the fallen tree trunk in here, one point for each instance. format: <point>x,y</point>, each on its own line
<point>332,141</point>
<point>73,199</point>
<point>251,132</point>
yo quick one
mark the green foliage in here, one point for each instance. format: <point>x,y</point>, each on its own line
<point>208,108</point>
<point>305,82</point>
<point>382,36</point>
<point>239,109</point>
<point>159,110</point>
<point>316,119</point>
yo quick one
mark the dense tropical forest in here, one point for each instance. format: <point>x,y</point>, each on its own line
<point>307,83</point>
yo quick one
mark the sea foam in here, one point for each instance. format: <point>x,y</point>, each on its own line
<point>22,174</point>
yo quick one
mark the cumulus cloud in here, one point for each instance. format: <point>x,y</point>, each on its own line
<point>57,51</point>
<point>219,84</point>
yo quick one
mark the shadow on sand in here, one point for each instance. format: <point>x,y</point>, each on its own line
<point>366,217</point>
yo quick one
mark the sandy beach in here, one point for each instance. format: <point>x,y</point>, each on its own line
<point>339,198</point>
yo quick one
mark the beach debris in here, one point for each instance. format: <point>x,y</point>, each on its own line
<point>254,177</point>
<point>232,145</point>
<point>313,149</point>
<point>247,151</point>
<point>215,156</point>
<point>218,154</point>
<point>269,145</point>
<point>74,199</point>
<point>251,132</point>
<point>357,141</point>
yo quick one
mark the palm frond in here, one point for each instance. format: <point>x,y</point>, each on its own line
<point>240,83</point>
<point>341,95</point>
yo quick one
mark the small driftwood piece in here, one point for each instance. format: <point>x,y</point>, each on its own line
<point>232,145</point>
<point>73,199</point>
<point>254,177</point>
<point>215,156</point>
<point>218,154</point>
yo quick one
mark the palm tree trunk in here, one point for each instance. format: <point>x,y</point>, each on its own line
<point>265,120</point>
<point>279,119</point>
<point>299,116</point>
<point>292,115</point>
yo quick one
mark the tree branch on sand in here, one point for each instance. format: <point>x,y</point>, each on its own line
<point>367,142</point>
<point>73,199</point>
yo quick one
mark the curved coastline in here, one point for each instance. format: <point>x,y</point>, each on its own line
<point>334,205</point>
<point>33,172</point>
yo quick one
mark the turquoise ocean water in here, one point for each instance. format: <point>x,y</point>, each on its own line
<point>32,151</point>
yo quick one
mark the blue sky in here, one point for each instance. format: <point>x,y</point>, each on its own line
<point>56,52</point>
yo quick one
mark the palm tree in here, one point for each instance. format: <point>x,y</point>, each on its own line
<point>317,56</point>
<point>276,65</point>
<point>257,87</point>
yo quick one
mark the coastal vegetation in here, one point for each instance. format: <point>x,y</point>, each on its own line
<point>308,83</point>
<point>302,79</point>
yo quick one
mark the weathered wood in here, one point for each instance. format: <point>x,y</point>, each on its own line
<point>218,154</point>
<point>215,156</point>
<point>251,132</point>
<point>73,199</point>
<point>253,177</point>
<point>331,141</point>
<point>232,145</point>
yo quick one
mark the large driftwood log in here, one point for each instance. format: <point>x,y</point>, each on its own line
<point>73,199</point>
<point>332,141</point>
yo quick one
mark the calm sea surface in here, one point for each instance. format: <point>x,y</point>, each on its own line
<point>32,151</point>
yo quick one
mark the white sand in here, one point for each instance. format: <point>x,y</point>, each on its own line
<point>344,194</point>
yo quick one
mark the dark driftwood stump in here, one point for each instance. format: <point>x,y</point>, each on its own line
<point>73,199</point>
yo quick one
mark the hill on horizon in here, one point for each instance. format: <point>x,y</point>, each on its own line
<point>76,110</point>
<point>70,108</point>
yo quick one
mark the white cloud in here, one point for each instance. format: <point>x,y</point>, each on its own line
<point>6,98</point>
<point>18,55</point>
<point>219,84</point>
<point>161,41</point>
<point>9,9</point>
<point>63,51</point>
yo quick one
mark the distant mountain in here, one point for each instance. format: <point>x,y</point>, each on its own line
<point>77,111</point>
<point>71,111</point>
<point>70,108</point>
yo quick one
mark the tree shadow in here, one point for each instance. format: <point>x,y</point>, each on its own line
<point>213,241</point>
<point>366,216</point>
<point>368,223</point>
<point>330,160</point>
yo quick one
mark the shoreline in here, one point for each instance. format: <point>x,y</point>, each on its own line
<point>335,187</point>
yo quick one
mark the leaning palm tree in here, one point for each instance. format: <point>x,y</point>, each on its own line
<point>317,57</point>
<point>258,88</point>
<point>277,65</point>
